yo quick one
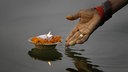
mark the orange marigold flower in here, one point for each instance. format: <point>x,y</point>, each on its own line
<point>54,39</point>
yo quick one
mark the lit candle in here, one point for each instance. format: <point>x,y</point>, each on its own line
<point>46,36</point>
<point>49,35</point>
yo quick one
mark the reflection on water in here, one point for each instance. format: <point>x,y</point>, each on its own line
<point>80,62</point>
<point>45,54</point>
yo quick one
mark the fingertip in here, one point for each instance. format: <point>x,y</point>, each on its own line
<point>72,43</point>
<point>69,17</point>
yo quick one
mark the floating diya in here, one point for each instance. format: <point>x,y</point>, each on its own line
<point>45,41</point>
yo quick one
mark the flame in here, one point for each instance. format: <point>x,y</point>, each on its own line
<point>49,63</point>
<point>49,33</point>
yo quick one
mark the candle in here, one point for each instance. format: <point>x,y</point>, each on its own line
<point>46,36</point>
<point>49,35</point>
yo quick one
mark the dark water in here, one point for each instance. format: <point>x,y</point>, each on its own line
<point>105,51</point>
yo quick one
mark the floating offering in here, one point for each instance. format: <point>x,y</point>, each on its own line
<point>45,40</point>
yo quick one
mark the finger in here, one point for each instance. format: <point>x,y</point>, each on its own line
<point>73,17</point>
<point>72,33</point>
<point>75,36</point>
<point>73,39</point>
<point>69,38</point>
<point>70,42</point>
<point>82,40</point>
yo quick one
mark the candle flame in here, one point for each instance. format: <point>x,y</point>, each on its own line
<point>48,33</point>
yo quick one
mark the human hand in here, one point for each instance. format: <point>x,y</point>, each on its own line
<point>89,21</point>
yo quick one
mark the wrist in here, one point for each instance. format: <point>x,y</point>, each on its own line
<point>100,11</point>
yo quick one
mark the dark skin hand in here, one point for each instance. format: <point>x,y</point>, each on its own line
<point>89,20</point>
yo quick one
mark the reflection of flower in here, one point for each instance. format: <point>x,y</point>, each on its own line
<point>80,62</point>
<point>45,54</point>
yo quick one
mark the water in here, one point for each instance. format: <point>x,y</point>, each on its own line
<point>105,51</point>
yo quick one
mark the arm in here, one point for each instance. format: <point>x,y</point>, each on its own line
<point>118,4</point>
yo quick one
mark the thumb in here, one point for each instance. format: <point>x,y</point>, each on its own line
<point>73,17</point>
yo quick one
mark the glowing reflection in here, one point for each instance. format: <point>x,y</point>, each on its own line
<point>49,63</point>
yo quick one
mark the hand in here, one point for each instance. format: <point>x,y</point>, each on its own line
<point>89,21</point>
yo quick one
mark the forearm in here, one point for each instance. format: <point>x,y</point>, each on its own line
<point>117,4</point>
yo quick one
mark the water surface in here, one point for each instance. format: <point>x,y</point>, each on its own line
<point>105,51</point>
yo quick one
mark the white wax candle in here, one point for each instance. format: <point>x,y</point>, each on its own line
<point>46,36</point>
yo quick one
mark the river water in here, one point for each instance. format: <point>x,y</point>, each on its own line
<point>105,51</point>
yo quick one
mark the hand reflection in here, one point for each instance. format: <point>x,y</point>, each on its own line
<point>80,62</point>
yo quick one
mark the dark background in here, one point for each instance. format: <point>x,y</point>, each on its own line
<point>21,19</point>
